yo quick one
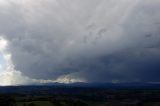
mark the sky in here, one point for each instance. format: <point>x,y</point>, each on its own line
<point>68,41</point>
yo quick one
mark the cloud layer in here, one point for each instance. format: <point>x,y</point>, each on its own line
<point>91,40</point>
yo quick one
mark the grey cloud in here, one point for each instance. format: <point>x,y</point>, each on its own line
<point>53,38</point>
<point>131,65</point>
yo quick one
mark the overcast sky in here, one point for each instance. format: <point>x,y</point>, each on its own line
<point>79,41</point>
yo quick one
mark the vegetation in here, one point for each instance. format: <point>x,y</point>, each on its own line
<point>82,97</point>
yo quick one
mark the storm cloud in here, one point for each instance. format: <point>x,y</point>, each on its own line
<point>91,40</point>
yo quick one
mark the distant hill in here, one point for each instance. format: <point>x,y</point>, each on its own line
<point>60,87</point>
<point>108,85</point>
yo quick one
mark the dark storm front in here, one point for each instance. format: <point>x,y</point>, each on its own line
<point>79,96</point>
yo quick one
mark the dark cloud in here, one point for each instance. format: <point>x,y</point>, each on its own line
<point>99,41</point>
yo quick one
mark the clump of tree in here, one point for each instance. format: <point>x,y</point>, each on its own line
<point>24,104</point>
<point>6,101</point>
<point>31,104</point>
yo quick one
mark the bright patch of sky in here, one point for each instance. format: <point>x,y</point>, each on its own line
<point>1,59</point>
